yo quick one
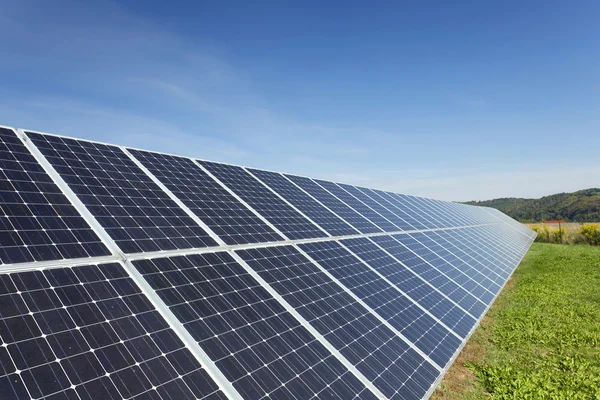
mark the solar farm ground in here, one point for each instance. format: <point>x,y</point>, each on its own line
<point>541,338</point>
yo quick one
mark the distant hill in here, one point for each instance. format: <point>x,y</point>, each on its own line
<point>580,206</point>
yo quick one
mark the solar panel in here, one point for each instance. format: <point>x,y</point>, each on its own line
<point>408,318</point>
<point>450,313</point>
<point>133,210</point>
<point>289,221</point>
<point>262,349</point>
<point>461,269</point>
<point>380,207</point>
<point>230,282</point>
<point>441,217</point>
<point>511,222</point>
<point>360,207</point>
<point>37,221</point>
<point>385,359</point>
<point>305,203</point>
<point>415,210</point>
<point>380,197</point>
<point>231,220</point>
<point>89,333</point>
<point>340,208</point>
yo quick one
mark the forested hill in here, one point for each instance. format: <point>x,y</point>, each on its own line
<point>580,206</point>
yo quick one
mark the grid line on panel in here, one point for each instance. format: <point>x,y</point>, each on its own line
<point>430,276</point>
<point>454,246</point>
<point>373,216</point>
<point>318,213</point>
<point>260,347</point>
<point>430,337</point>
<point>287,220</point>
<point>338,207</point>
<point>226,216</point>
<point>88,332</point>
<point>510,222</point>
<point>280,197</point>
<point>416,212</point>
<point>512,248</point>
<point>450,315</point>
<point>132,209</point>
<point>494,245</point>
<point>37,221</point>
<point>485,254</point>
<point>426,204</point>
<point>167,253</point>
<point>377,206</point>
<point>444,282</point>
<point>450,264</point>
<point>380,197</point>
<point>386,360</point>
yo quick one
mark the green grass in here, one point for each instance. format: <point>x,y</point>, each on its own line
<point>541,339</point>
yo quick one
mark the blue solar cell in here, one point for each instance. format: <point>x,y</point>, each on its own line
<point>231,220</point>
<point>383,209</point>
<point>340,208</point>
<point>421,329</point>
<point>416,211</point>
<point>289,221</point>
<point>389,203</point>
<point>412,285</point>
<point>443,281</point>
<point>133,210</point>
<point>37,221</point>
<point>463,271</point>
<point>89,333</point>
<point>260,347</point>
<point>358,206</point>
<point>305,203</point>
<point>395,369</point>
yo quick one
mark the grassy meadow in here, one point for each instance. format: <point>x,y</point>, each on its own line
<point>541,338</point>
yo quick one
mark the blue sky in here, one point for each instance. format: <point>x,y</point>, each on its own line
<point>452,100</point>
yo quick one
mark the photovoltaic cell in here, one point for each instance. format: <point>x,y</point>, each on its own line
<point>133,210</point>
<point>306,204</point>
<point>89,333</point>
<point>394,368</point>
<point>440,218</point>
<point>515,224</point>
<point>379,207</point>
<point>403,314</point>
<point>382,198</point>
<point>412,285</point>
<point>216,207</point>
<point>289,221</point>
<point>487,256</point>
<point>37,221</point>
<point>418,213</point>
<point>453,246</point>
<point>462,272</point>
<point>448,282</point>
<point>260,347</point>
<point>334,204</point>
<point>358,206</point>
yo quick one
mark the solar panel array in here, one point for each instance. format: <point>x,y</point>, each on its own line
<point>133,274</point>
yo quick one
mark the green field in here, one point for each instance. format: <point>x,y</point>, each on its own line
<point>541,339</point>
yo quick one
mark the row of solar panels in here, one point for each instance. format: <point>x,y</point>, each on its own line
<point>241,206</point>
<point>237,283</point>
